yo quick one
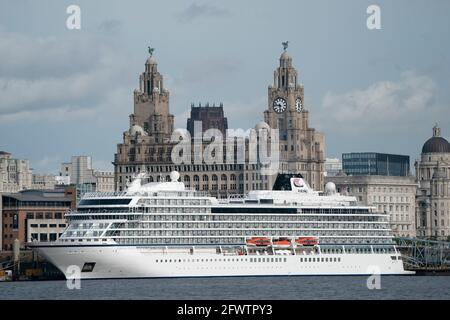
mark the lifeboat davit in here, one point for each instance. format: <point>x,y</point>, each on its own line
<point>282,243</point>
<point>256,241</point>
<point>307,241</point>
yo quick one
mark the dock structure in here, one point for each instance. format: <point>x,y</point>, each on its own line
<point>422,255</point>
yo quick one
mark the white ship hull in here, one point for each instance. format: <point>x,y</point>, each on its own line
<point>143,262</point>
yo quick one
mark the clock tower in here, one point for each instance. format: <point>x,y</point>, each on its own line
<point>301,147</point>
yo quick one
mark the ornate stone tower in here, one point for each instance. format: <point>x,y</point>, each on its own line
<point>151,103</point>
<point>301,147</point>
<point>433,193</point>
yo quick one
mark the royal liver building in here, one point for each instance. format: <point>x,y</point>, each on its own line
<point>147,145</point>
<point>301,147</point>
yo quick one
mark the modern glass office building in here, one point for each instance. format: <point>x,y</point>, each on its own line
<point>372,163</point>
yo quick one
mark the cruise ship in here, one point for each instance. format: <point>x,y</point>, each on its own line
<point>163,229</point>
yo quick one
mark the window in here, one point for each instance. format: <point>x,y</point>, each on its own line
<point>88,267</point>
<point>43,237</point>
<point>104,202</point>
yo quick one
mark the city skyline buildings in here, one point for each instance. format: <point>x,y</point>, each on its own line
<point>234,71</point>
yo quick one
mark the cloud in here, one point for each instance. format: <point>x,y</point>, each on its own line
<point>110,27</point>
<point>67,74</point>
<point>383,104</point>
<point>47,162</point>
<point>196,11</point>
<point>394,116</point>
<point>102,165</point>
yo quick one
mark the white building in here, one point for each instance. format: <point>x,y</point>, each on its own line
<point>104,181</point>
<point>45,181</point>
<point>15,174</point>
<point>392,194</point>
<point>332,167</point>
<point>79,170</point>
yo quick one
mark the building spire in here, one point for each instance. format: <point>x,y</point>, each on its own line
<point>285,45</point>
<point>436,131</point>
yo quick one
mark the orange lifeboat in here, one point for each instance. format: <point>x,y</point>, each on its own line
<point>306,241</point>
<point>256,241</point>
<point>282,243</point>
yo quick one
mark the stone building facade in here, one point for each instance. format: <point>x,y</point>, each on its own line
<point>211,117</point>
<point>392,194</point>
<point>147,145</point>
<point>43,181</point>
<point>79,170</point>
<point>104,181</point>
<point>433,193</point>
<point>15,174</point>
<point>302,149</point>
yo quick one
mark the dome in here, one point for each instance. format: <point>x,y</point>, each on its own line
<point>174,176</point>
<point>137,129</point>
<point>330,188</point>
<point>436,144</point>
<point>151,60</point>
<point>285,56</point>
<point>262,125</point>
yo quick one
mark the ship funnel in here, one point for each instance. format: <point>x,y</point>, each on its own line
<point>299,185</point>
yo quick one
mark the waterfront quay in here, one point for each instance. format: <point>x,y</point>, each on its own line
<point>27,265</point>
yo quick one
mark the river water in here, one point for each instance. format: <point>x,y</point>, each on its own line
<point>240,288</point>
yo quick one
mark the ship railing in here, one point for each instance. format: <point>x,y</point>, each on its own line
<point>232,198</point>
<point>104,194</point>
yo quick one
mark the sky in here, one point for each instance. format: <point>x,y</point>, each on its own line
<point>69,92</point>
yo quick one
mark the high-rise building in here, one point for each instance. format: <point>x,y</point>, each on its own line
<point>151,104</point>
<point>394,195</point>
<point>211,117</point>
<point>433,193</point>
<point>79,170</point>
<point>373,163</point>
<point>147,146</point>
<point>333,166</point>
<point>302,149</point>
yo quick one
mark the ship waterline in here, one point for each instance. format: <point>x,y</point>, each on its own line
<point>163,230</point>
<point>141,262</point>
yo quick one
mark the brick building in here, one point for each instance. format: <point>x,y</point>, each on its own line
<point>35,214</point>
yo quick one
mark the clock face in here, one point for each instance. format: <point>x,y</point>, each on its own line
<point>279,105</point>
<point>299,105</point>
